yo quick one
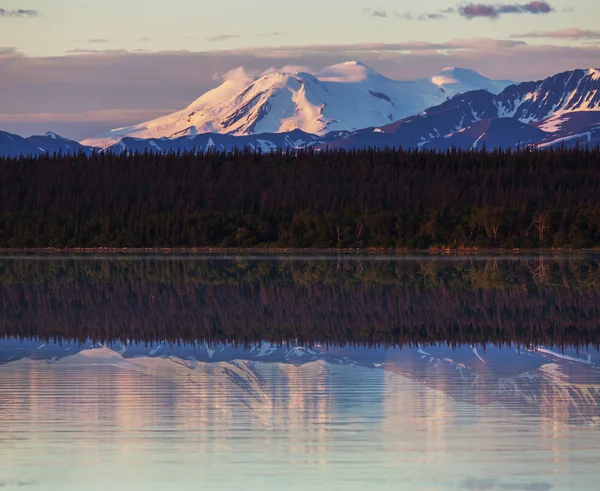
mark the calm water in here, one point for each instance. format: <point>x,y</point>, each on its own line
<point>111,413</point>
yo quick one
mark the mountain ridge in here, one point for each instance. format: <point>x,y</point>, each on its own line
<point>555,106</point>
<point>12,145</point>
<point>561,109</point>
<point>347,96</point>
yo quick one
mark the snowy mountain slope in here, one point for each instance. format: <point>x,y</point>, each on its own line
<point>50,143</point>
<point>342,97</point>
<point>454,80</point>
<point>566,105</point>
<point>580,127</point>
<point>567,92</point>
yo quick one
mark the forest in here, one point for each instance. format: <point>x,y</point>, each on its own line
<point>386,199</point>
<point>500,302</point>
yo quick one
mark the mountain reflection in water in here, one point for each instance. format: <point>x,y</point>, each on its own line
<point>155,417</point>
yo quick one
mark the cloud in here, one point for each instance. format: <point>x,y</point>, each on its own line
<point>239,76</point>
<point>402,47</point>
<point>84,51</point>
<point>386,14</point>
<point>289,69</point>
<point>439,15</point>
<point>98,41</point>
<point>222,37</point>
<point>375,12</point>
<point>352,51</point>
<point>9,52</point>
<point>19,13</point>
<point>478,10</point>
<point>434,16</point>
<point>270,34</point>
<point>472,11</point>
<point>100,116</point>
<point>572,33</point>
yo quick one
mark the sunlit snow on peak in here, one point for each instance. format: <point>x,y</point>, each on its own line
<point>349,72</point>
<point>461,80</point>
<point>594,73</point>
<point>343,97</point>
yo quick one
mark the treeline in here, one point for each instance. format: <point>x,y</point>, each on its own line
<point>532,303</point>
<point>522,273</point>
<point>304,199</point>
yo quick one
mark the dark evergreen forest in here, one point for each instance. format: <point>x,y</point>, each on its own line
<point>332,199</point>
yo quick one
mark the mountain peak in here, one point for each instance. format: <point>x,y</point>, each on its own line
<point>465,79</point>
<point>457,74</point>
<point>348,72</point>
<point>285,75</point>
<point>354,63</point>
<point>343,97</point>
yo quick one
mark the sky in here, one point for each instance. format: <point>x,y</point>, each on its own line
<point>83,67</point>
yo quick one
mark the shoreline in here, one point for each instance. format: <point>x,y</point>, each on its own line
<point>375,251</point>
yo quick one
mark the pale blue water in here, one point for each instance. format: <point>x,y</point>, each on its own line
<point>98,421</point>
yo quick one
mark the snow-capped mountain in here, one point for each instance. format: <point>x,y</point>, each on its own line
<point>50,143</point>
<point>562,108</point>
<point>342,97</point>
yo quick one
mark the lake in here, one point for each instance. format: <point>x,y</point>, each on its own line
<point>322,373</point>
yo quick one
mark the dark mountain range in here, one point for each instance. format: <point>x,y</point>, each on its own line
<point>50,143</point>
<point>490,133</point>
<point>265,142</point>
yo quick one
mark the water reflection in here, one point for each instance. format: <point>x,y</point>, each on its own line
<point>368,301</point>
<point>157,373</point>
<point>112,418</point>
